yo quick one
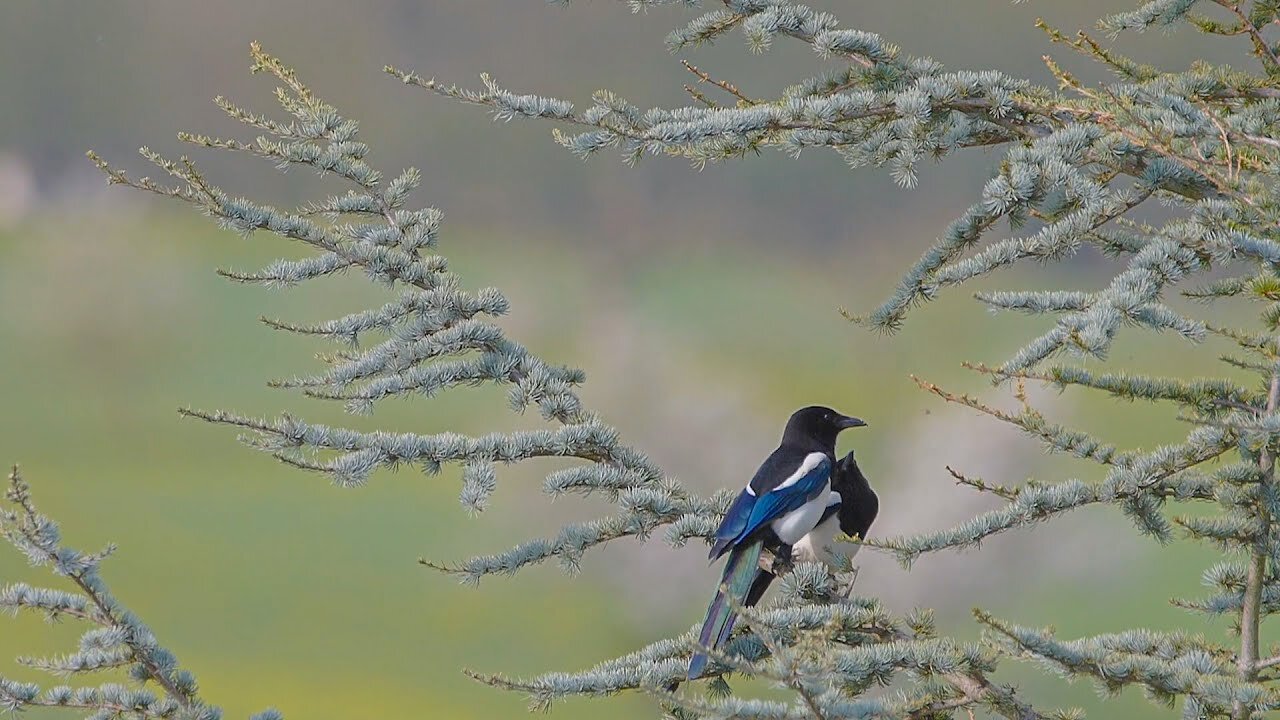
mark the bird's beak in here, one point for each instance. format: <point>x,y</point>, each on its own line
<point>851,422</point>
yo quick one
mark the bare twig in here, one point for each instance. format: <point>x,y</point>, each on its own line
<point>699,97</point>
<point>981,485</point>
<point>722,84</point>
<point>1260,46</point>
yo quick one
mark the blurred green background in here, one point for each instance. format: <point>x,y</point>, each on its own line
<point>702,304</point>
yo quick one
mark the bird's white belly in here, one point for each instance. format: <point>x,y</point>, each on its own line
<point>816,546</point>
<point>793,526</point>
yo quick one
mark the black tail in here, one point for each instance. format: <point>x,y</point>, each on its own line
<point>738,581</point>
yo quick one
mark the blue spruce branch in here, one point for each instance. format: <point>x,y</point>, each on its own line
<point>433,337</point>
<point>117,640</point>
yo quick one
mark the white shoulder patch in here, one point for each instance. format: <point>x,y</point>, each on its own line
<point>810,462</point>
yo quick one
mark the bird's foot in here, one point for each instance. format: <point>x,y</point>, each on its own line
<point>776,562</point>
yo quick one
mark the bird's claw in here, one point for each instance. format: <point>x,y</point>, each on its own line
<point>775,563</point>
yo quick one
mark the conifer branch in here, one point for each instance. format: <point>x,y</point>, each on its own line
<point>978,690</point>
<point>1054,437</point>
<point>1160,662</point>
<point>1251,610</point>
<point>982,486</point>
<point>28,530</point>
<point>117,639</point>
<point>722,84</point>
<point>434,337</point>
<point>1261,48</point>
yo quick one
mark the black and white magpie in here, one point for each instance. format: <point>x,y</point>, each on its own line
<point>790,497</point>
<point>851,515</point>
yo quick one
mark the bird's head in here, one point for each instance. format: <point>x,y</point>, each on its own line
<point>858,502</point>
<point>817,426</point>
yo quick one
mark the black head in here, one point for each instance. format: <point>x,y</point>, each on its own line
<point>817,427</point>
<point>858,502</point>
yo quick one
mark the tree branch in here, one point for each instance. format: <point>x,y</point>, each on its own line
<point>84,577</point>
<point>1251,611</point>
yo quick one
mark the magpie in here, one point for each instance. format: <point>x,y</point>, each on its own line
<point>851,515</point>
<point>789,496</point>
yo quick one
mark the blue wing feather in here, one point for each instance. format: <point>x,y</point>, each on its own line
<point>781,501</point>
<point>734,521</point>
<point>749,513</point>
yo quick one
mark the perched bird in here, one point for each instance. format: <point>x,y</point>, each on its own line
<point>852,515</point>
<point>789,496</point>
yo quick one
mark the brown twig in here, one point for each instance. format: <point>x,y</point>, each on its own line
<point>722,84</point>
<point>981,485</point>
<point>1260,47</point>
<point>1029,420</point>
<point>699,97</point>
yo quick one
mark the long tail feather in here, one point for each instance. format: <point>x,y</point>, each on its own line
<point>758,588</point>
<point>739,576</point>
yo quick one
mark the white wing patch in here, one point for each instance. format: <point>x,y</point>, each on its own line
<point>810,462</point>
<point>793,526</point>
<point>796,524</point>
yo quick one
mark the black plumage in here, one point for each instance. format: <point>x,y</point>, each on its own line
<point>793,475</point>
<point>858,502</point>
<point>857,510</point>
<point>781,505</point>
